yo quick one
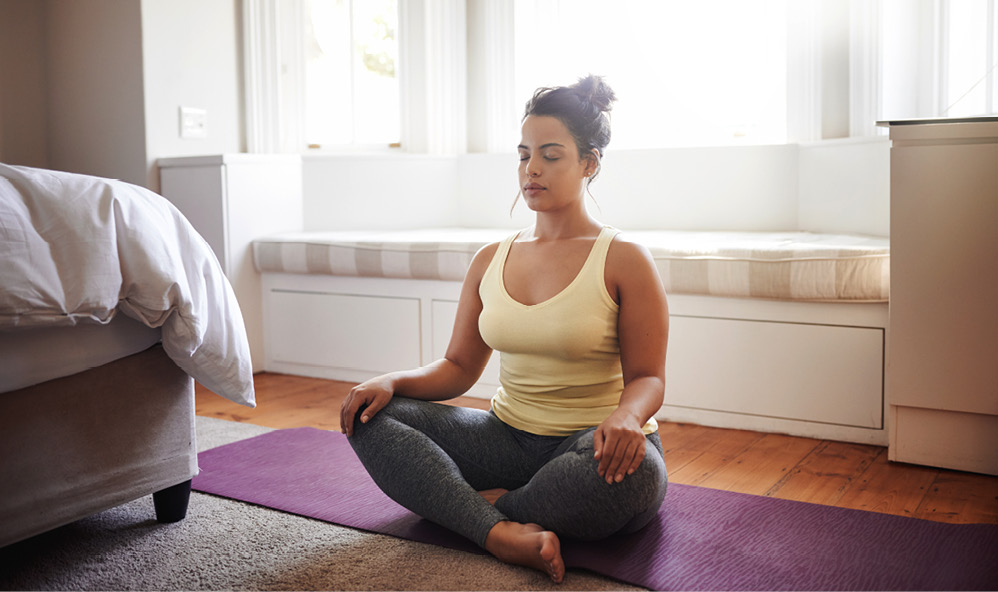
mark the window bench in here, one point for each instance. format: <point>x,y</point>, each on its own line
<point>779,332</point>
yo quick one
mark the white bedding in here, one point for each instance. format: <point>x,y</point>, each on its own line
<point>76,249</point>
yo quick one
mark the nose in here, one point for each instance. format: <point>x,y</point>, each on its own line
<point>533,167</point>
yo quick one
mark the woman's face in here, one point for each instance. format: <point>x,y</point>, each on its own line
<point>552,175</point>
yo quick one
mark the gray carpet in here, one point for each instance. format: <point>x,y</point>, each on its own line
<point>228,545</point>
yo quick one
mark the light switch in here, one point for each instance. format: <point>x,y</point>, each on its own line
<point>193,122</point>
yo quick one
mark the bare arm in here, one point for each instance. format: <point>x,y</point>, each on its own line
<point>446,378</point>
<point>643,333</point>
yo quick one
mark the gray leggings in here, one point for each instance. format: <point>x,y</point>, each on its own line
<point>433,459</point>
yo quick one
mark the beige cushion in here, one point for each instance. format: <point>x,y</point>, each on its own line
<point>778,265</point>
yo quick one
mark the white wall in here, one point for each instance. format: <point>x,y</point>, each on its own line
<point>22,91</point>
<point>385,191</point>
<point>487,187</point>
<point>838,186</point>
<point>94,88</point>
<point>845,186</point>
<point>191,58</point>
<point>729,188</point>
<point>725,188</point>
<point>745,188</point>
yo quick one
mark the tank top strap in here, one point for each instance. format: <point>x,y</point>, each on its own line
<point>594,269</point>
<point>495,266</point>
<point>602,245</point>
<point>505,245</point>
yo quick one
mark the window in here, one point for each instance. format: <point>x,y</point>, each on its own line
<point>351,54</point>
<point>940,58</point>
<point>969,58</point>
<point>686,73</point>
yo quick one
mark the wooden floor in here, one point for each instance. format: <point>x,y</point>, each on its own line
<point>818,471</point>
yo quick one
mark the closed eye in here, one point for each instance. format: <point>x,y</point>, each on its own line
<point>549,158</point>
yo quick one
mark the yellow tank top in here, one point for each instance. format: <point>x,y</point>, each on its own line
<point>559,363</point>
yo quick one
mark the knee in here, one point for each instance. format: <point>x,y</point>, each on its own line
<point>381,434</point>
<point>606,509</point>
<point>362,431</point>
<point>645,488</point>
<point>650,482</point>
<point>395,409</point>
<point>391,422</point>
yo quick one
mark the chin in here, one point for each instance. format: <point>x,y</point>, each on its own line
<point>535,205</point>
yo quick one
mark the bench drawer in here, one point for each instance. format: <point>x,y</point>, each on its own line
<point>810,372</point>
<point>360,333</point>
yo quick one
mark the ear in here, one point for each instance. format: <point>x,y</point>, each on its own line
<point>592,162</point>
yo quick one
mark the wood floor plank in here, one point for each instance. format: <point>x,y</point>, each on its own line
<point>674,436</point>
<point>285,401</point>
<point>762,465</point>
<point>826,473</point>
<point>317,406</point>
<point>964,498</point>
<point>723,442</point>
<point>676,459</point>
<point>889,488</point>
<point>717,448</point>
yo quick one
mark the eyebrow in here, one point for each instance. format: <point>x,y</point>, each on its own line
<point>548,145</point>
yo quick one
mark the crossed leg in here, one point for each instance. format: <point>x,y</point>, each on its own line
<point>433,459</point>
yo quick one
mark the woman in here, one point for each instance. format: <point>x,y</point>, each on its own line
<point>570,447</point>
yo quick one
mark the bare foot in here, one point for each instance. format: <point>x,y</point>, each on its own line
<point>491,495</point>
<point>529,545</point>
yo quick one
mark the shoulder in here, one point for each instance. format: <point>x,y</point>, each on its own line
<point>485,254</point>
<point>627,253</point>
<point>630,266</point>
<point>480,262</point>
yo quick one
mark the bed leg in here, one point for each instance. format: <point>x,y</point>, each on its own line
<point>171,503</point>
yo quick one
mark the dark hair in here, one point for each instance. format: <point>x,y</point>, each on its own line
<point>583,107</point>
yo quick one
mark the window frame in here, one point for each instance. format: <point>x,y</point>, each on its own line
<point>432,77</point>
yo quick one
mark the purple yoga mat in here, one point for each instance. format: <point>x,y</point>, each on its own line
<point>704,539</point>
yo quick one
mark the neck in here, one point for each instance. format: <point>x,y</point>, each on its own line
<point>564,225</point>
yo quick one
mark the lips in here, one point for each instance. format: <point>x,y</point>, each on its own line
<point>533,188</point>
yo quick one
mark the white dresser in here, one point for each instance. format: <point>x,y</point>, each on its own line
<point>942,373</point>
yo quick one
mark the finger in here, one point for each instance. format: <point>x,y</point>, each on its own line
<point>639,456</point>
<point>616,462</point>
<point>347,412</point>
<point>597,443</point>
<point>611,450</point>
<point>633,447</point>
<point>372,409</point>
<point>626,462</point>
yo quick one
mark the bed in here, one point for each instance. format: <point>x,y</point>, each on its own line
<point>111,306</point>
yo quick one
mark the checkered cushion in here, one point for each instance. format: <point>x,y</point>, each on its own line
<point>778,265</point>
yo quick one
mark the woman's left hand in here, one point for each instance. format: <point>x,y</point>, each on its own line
<point>619,443</point>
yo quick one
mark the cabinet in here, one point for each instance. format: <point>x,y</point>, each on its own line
<point>807,372</point>
<point>345,331</point>
<point>942,375</point>
<point>232,199</point>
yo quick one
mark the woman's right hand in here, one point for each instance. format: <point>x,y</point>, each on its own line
<point>370,397</point>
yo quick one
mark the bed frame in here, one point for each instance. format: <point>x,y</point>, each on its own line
<point>84,443</point>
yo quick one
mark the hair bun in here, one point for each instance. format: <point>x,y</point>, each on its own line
<point>595,90</point>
